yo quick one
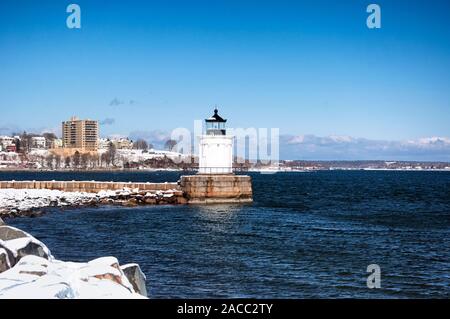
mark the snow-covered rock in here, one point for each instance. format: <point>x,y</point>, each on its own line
<point>38,278</point>
<point>31,202</point>
<point>28,270</point>
<point>22,247</point>
<point>17,244</point>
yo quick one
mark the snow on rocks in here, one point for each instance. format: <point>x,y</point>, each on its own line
<point>35,273</point>
<point>18,244</point>
<point>37,278</point>
<point>28,202</point>
<point>15,201</point>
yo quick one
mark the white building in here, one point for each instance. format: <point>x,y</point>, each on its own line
<point>57,143</point>
<point>120,143</point>
<point>216,147</point>
<point>103,143</point>
<point>5,141</point>
<point>38,142</point>
<point>123,144</point>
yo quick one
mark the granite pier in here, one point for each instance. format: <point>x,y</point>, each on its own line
<point>190,189</point>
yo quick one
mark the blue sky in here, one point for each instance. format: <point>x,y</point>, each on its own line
<point>306,67</point>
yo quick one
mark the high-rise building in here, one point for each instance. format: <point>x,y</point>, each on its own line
<point>81,134</point>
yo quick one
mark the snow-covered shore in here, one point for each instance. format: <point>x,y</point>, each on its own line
<point>28,270</point>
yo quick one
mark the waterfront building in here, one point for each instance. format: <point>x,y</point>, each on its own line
<point>56,143</point>
<point>11,148</point>
<point>80,134</point>
<point>38,142</point>
<point>215,147</point>
<point>119,143</point>
<point>6,141</point>
<point>103,143</point>
<point>123,144</point>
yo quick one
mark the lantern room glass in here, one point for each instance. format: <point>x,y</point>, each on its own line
<point>215,126</point>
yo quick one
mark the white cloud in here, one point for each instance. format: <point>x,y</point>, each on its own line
<point>351,148</point>
<point>431,141</point>
<point>10,129</point>
<point>156,137</point>
<point>108,121</point>
<point>116,102</point>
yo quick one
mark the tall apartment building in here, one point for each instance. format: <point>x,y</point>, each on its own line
<point>81,134</point>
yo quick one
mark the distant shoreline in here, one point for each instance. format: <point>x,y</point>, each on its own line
<point>109,170</point>
<point>93,170</point>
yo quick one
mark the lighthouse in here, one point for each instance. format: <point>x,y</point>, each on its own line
<point>215,147</point>
<point>215,181</point>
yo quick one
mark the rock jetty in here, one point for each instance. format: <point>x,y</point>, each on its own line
<point>29,270</point>
<point>31,202</point>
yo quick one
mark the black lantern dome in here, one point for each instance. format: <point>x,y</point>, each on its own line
<point>215,125</point>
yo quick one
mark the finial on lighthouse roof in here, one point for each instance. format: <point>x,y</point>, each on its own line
<point>216,117</point>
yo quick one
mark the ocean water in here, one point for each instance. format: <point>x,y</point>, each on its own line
<point>307,235</point>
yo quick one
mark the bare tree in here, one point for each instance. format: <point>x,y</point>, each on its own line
<point>58,161</point>
<point>49,138</point>
<point>111,154</point>
<point>103,159</point>
<point>76,159</point>
<point>140,144</point>
<point>68,161</point>
<point>93,160</point>
<point>26,142</point>
<point>85,160</point>
<point>170,144</point>
<point>50,158</point>
<point>18,144</point>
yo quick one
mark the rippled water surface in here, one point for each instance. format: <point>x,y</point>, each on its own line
<point>306,235</point>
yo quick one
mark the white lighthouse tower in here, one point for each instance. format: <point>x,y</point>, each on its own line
<point>215,181</point>
<point>216,147</point>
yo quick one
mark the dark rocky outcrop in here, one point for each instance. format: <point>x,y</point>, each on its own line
<point>11,251</point>
<point>7,257</point>
<point>33,248</point>
<point>18,202</point>
<point>9,233</point>
<point>136,277</point>
<point>5,262</point>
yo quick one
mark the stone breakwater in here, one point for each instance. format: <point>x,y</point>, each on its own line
<point>31,202</point>
<point>19,198</point>
<point>28,270</point>
<point>87,186</point>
